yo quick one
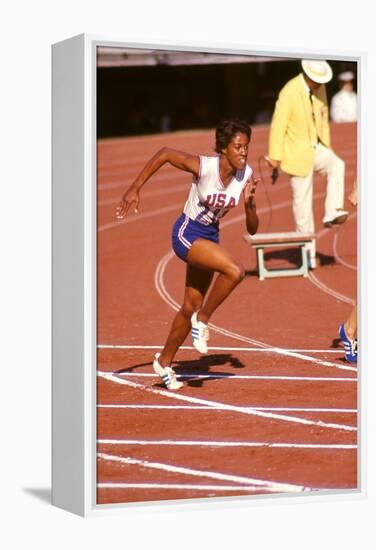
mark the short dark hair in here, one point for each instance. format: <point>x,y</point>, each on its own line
<point>226,129</point>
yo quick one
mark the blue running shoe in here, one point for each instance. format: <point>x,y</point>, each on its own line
<point>350,346</point>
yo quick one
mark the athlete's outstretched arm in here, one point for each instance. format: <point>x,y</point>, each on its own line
<point>251,217</point>
<point>178,159</point>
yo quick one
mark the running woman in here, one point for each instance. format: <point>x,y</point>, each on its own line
<point>217,184</point>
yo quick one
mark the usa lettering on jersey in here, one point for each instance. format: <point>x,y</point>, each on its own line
<point>208,201</point>
<point>218,200</point>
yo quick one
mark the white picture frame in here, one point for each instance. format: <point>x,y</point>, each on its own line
<point>74,267</point>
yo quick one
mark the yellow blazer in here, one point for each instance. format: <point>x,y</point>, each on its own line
<point>292,132</point>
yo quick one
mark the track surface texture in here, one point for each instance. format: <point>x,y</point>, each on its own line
<point>272,408</point>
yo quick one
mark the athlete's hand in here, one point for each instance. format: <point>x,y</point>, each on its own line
<point>130,197</point>
<point>249,191</point>
<point>275,166</point>
<point>272,163</point>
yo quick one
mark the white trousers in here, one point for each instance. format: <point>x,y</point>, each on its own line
<point>325,162</point>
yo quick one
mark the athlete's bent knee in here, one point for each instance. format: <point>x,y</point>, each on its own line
<point>235,272</point>
<point>190,306</point>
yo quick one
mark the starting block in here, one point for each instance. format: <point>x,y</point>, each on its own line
<point>278,240</point>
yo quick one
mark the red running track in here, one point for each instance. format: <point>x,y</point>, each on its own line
<point>273,407</point>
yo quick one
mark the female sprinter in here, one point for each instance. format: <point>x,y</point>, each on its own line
<point>217,183</point>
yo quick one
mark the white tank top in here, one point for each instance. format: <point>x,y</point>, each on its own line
<point>209,200</point>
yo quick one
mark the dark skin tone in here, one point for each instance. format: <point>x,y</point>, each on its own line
<point>204,257</point>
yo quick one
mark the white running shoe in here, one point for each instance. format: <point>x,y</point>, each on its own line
<point>200,334</point>
<point>167,375</point>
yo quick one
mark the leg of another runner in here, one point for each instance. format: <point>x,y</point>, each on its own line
<point>352,324</point>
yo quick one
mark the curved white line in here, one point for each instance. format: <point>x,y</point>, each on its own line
<point>338,257</point>
<point>166,297</point>
<point>319,235</point>
<point>328,290</point>
<point>323,287</point>
<point>159,276</point>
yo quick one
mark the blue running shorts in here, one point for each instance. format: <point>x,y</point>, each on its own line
<point>186,231</point>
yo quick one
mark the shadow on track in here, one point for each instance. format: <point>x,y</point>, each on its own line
<point>197,367</point>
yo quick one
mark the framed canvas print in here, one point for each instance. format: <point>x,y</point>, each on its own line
<point>205,274</point>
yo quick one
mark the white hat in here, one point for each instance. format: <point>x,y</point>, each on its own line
<point>318,71</point>
<point>347,76</point>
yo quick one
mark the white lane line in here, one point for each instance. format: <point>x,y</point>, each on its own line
<point>329,290</point>
<point>161,289</point>
<point>194,443</point>
<point>175,207</point>
<point>138,217</point>
<point>278,206</point>
<point>178,207</point>
<point>166,297</point>
<point>270,485</point>
<point>115,174</point>
<point>217,348</point>
<point>150,194</point>
<point>281,205</point>
<point>239,377</point>
<point>182,486</point>
<point>232,408</point>
<point>207,408</point>
<point>126,156</point>
<point>110,182</point>
<point>323,287</point>
<point>129,167</point>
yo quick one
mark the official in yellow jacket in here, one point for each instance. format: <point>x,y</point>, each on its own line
<point>299,144</point>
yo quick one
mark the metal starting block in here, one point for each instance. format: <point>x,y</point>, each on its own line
<point>261,241</point>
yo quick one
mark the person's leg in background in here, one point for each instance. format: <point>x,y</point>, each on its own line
<point>302,207</point>
<point>351,325</point>
<point>333,167</point>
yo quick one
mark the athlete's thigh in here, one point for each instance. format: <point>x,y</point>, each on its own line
<point>205,254</point>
